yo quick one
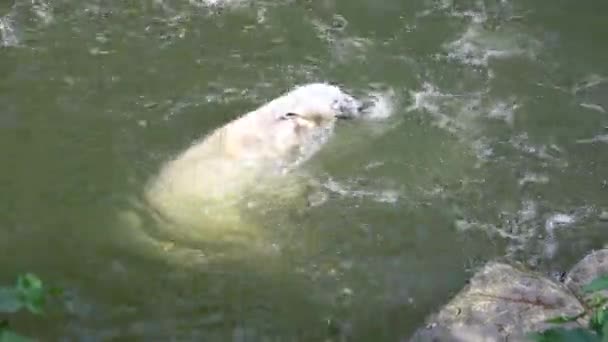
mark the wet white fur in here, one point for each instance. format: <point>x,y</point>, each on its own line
<point>248,157</point>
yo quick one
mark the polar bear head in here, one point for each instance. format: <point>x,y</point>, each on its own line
<point>293,126</point>
<point>315,103</point>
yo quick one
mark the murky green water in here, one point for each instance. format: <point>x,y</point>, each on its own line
<point>495,147</point>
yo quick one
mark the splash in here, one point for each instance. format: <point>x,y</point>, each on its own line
<point>478,46</point>
<point>346,190</point>
<point>533,178</point>
<point>8,36</point>
<point>504,111</point>
<point>492,32</point>
<point>602,138</point>
<point>552,223</point>
<point>344,48</point>
<point>476,13</point>
<point>383,105</point>
<point>217,3</point>
<point>590,81</point>
<point>456,113</point>
<point>547,153</point>
<point>593,106</point>
<point>590,92</point>
<point>43,10</point>
<point>462,115</point>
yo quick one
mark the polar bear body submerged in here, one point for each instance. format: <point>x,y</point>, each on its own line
<point>248,159</point>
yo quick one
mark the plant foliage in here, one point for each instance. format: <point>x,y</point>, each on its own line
<point>28,294</point>
<point>597,324</point>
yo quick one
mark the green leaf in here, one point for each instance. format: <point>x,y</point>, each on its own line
<point>56,292</point>
<point>597,301</point>
<point>29,282</point>
<point>9,300</point>
<point>565,335</point>
<point>604,333</point>
<point>598,319</point>
<point>598,284</point>
<point>565,319</point>
<point>31,293</point>
<point>10,336</point>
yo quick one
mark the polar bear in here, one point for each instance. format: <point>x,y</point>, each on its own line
<point>248,160</point>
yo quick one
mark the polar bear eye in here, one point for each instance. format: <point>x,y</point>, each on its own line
<point>288,115</point>
<point>336,105</point>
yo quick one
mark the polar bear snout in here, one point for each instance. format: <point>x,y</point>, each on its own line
<point>365,106</point>
<point>355,111</point>
<point>349,107</point>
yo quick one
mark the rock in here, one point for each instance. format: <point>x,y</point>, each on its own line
<point>604,215</point>
<point>501,303</point>
<point>595,264</point>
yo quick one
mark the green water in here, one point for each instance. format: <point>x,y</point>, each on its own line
<point>495,107</point>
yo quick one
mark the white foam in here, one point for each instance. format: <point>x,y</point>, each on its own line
<point>383,105</point>
<point>421,98</point>
<point>461,114</point>
<point>603,138</point>
<point>350,48</point>
<point>589,81</point>
<point>558,220</point>
<point>476,15</point>
<point>344,190</point>
<point>543,152</point>
<point>465,115</point>
<point>504,111</point>
<point>8,36</point>
<point>518,228</point>
<point>528,212</point>
<point>216,3</point>
<point>429,99</point>
<point>344,48</point>
<point>456,113</point>
<point>535,178</point>
<point>593,106</point>
<point>463,225</point>
<point>43,10</point>
<point>261,15</point>
<point>477,46</point>
<point>555,221</point>
<point>374,165</point>
<point>482,149</point>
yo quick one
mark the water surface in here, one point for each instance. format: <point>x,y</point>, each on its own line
<point>495,147</point>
